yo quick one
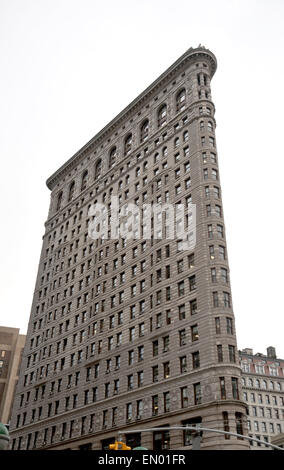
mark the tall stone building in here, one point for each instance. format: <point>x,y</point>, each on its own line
<point>263,390</point>
<point>11,349</point>
<point>137,333</point>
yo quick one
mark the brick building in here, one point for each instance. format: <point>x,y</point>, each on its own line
<point>263,390</point>
<point>137,333</point>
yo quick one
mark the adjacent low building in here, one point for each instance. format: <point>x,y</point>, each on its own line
<point>11,349</point>
<point>263,390</point>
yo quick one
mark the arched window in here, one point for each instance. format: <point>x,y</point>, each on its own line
<point>156,157</point>
<point>210,126</point>
<point>59,200</point>
<point>128,144</point>
<point>162,115</point>
<point>201,125</point>
<point>144,131</point>
<point>264,384</point>
<point>165,151</point>
<point>176,142</point>
<point>112,157</point>
<point>180,100</point>
<point>71,191</point>
<point>98,169</point>
<point>84,180</point>
<point>185,136</point>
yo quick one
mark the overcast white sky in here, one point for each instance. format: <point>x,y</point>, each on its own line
<point>67,67</point>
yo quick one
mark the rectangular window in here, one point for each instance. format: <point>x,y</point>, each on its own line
<point>224,275</point>
<point>214,174</point>
<point>193,307</point>
<point>232,353</point>
<point>181,288</point>
<point>216,192</point>
<point>229,323</point>
<point>210,231</point>
<point>168,317</point>
<point>181,311</point>
<point>211,252</point>
<point>140,353</point>
<point>235,389</point>
<point>184,397</point>
<point>130,382</point>
<point>140,377</point>
<point>166,343</point>
<point>226,424</point>
<point>155,348</point>
<point>220,231</point>
<point>155,405</point>
<point>130,357</point>
<point>217,326</point>
<point>191,261</point>
<point>222,254</point>
<point>166,402</point>
<point>213,275</point>
<point>187,183</point>
<point>182,338</point>
<point>183,364</point>
<point>195,360</point>
<point>131,333</point>
<point>166,367</point>
<point>215,299</point>
<point>220,353</point>
<point>194,333</point>
<point>197,393</point>
<point>129,411</point>
<point>222,388</point>
<point>192,283</point>
<point>218,211</point>
<point>226,299</point>
<point>155,374</point>
<point>141,329</point>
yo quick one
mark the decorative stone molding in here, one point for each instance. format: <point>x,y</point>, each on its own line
<point>190,55</point>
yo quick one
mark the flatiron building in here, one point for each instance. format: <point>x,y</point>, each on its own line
<point>126,334</point>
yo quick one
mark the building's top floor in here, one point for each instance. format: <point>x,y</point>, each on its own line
<point>10,336</point>
<point>261,364</point>
<point>128,115</point>
<point>11,348</point>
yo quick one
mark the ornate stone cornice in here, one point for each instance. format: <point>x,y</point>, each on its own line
<point>190,55</point>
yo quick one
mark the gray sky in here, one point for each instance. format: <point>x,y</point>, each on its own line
<point>69,66</point>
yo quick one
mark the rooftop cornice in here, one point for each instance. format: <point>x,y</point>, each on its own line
<point>190,54</point>
<point>262,357</point>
